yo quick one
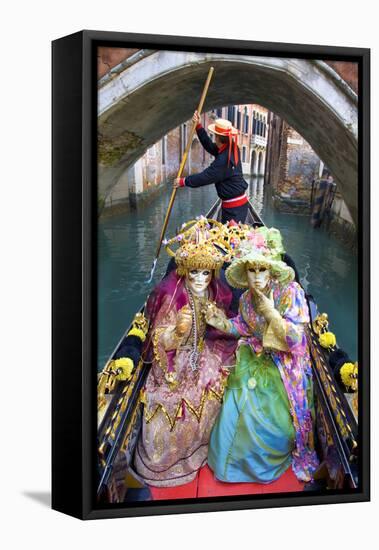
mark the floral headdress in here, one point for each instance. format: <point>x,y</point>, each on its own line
<point>261,246</point>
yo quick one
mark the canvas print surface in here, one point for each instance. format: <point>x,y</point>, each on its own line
<point>227,275</point>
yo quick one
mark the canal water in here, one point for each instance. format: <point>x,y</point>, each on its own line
<point>127,245</point>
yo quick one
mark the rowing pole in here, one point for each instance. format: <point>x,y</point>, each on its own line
<point>179,175</point>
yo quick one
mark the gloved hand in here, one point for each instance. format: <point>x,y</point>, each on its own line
<point>216,317</point>
<point>265,306</point>
<point>184,322</point>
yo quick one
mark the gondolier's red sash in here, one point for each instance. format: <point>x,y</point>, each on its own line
<point>237,201</point>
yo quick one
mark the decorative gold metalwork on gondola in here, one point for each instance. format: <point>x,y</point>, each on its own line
<point>320,323</point>
<point>106,384</point>
<point>108,377</point>
<point>122,403</point>
<point>139,326</point>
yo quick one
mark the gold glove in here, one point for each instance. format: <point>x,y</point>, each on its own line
<point>184,322</point>
<point>265,306</point>
<point>216,317</point>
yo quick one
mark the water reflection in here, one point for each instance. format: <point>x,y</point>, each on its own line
<point>256,192</point>
<point>127,245</point>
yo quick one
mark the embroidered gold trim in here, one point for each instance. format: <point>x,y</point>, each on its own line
<point>211,393</point>
<point>157,356</point>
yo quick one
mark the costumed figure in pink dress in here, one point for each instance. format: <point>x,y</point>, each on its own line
<point>184,388</point>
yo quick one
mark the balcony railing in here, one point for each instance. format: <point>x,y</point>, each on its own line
<point>258,140</point>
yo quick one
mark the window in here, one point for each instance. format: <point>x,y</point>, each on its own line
<point>243,154</point>
<point>231,113</point>
<point>238,120</point>
<point>254,125</point>
<point>244,121</point>
<point>219,113</point>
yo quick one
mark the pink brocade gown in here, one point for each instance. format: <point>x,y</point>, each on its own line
<point>178,420</point>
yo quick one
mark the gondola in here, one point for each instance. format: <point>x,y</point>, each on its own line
<point>120,409</point>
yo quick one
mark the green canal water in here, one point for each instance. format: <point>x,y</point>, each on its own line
<point>127,245</point>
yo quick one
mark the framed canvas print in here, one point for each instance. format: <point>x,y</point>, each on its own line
<point>210,274</point>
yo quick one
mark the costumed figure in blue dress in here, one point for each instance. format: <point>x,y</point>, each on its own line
<point>266,420</point>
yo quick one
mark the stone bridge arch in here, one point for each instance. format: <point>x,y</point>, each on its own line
<point>141,103</point>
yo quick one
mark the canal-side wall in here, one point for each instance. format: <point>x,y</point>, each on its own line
<point>292,166</point>
<point>146,178</point>
<point>341,225</point>
<point>136,188</point>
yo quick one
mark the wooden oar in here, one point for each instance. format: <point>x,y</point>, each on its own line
<point>179,175</point>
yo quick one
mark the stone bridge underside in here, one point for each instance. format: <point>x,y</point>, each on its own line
<point>142,103</point>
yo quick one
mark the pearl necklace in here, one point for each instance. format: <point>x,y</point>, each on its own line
<point>194,355</point>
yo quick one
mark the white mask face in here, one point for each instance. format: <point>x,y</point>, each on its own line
<point>258,277</point>
<point>198,280</point>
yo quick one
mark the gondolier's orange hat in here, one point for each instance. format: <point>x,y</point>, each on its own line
<point>223,127</point>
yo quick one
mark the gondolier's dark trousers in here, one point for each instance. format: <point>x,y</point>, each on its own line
<point>238,213</point>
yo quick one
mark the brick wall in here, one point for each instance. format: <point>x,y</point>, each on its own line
<point>348,71</point>
<point>107,58</point>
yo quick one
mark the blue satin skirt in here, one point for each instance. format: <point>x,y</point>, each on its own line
<point>253,437</point>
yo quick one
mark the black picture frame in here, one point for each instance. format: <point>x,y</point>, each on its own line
<point>74,207</point>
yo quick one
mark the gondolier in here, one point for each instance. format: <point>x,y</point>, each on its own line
<point>225,171</point>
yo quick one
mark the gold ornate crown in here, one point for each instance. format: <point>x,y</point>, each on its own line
<point>203,244</point>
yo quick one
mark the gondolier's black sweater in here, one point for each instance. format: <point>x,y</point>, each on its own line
<point>228,180</point>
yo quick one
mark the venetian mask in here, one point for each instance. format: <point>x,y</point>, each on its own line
<point>198,280</point>
<point>258,276</point>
